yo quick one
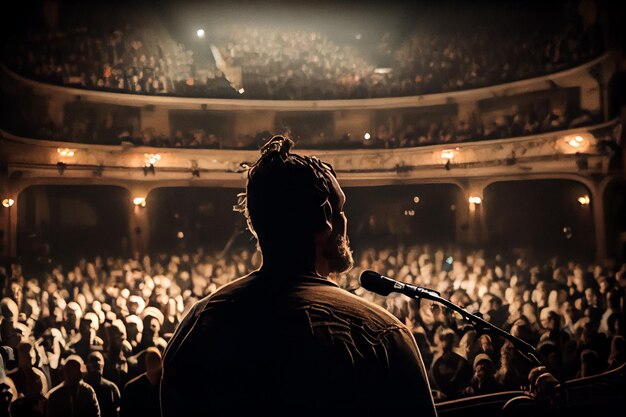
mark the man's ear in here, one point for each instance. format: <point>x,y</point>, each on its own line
<point>326,217</point>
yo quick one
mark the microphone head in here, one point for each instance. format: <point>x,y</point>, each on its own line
<point>375,282</point>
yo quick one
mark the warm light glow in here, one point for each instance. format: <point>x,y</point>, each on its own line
<point>66,152</point>
<point>180,235</point>
<point>475,200</point>
<point>367,136</point>
<point>200,33</point>
<point>151,158</point>
<point>416,199</point>
<point>574,143</point>
<point>8,202</point>
<point>241,90</point>
<point>139,201</point>
<point>584,200</point>
<point>579,138</point>
<point>410,213</point>
<point>447,154</point>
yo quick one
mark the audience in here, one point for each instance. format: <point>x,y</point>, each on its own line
<point>253,61</point>
<point>117,314</point>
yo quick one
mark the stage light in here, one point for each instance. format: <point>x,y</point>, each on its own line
<point>200,33</point>
<point>8,202</point>
<point>416,199</point>
<point>67,152</point>
<point>475,200</point>
<point>139,201</point>
<point>367,136</point>
<point>584,200</point>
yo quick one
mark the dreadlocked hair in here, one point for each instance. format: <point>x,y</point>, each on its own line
<point>287,195</point>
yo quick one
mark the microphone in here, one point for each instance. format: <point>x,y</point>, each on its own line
<point>380,284</point>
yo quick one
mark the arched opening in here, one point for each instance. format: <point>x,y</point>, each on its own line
<point>188,218</point>
<point>66,222</point>
<point>402,214</point>
<point>542,217</point>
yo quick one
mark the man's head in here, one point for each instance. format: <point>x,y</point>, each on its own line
<point>294,206</point>
<point>73,370</point>
<point>95,363</point>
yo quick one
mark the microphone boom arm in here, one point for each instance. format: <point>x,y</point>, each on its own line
<point>480,325</point>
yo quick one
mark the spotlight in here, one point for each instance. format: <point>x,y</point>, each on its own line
<point>584,200</point>
<point>139,201</point>
<point>475,200</point>
<point>8,202</point>
<point>367,136</point>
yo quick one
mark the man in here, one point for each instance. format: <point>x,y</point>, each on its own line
<point>286,339</point>
<point>29,380</point>
<point>73,397</point>
<point>106,391</point>
<point>141,394</point>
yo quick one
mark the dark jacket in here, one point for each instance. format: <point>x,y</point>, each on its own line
<point>296,344</point>
<point>63,402</point>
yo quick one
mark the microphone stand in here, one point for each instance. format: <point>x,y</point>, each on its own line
<point>482,326</point>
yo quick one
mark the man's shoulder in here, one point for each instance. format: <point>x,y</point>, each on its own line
<point>345,302</point>
<point>110,384</point>
<point>56,391</point>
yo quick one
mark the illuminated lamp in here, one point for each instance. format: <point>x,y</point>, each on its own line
<point>66,152</point>
<point>475,200</point>
<point>150,159</point>
<point>200,33</point>
<point>416,199</point>
<point>584,200</point>
<point>139,201</point>
<point>8,202</point>
<point>367,136</point>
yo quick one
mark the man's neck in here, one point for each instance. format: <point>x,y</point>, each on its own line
<point>289,267</point>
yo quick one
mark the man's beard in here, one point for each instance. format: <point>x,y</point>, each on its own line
<point>339,254</point>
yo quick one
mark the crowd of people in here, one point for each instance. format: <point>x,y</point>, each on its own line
<point>99,327</point>
<point>289,64</point>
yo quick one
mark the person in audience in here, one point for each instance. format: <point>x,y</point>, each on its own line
<point>107,393</point>
<point>140,396</point>
<point>30,381</point>
<point>484,378</point>
<point>73,397</point>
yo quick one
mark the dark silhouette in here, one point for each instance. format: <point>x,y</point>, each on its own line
<point>285,338</point>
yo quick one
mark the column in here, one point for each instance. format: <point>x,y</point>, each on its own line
<point>139,223</point>
<point>9,225</point>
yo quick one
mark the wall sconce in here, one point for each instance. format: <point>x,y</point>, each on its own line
<point>139,201</point>
<point>66,152</point>
<point>584,200</point>
<point>61,167</point>
<point>475,200</point>
<point>8,202</point>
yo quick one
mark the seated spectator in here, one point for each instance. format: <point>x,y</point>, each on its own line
<point>141,394</point>
<point>106,391</point>
<point>483,381</point>
<point>73,397</point>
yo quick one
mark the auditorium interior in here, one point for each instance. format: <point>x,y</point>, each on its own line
<point>480,146</point>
